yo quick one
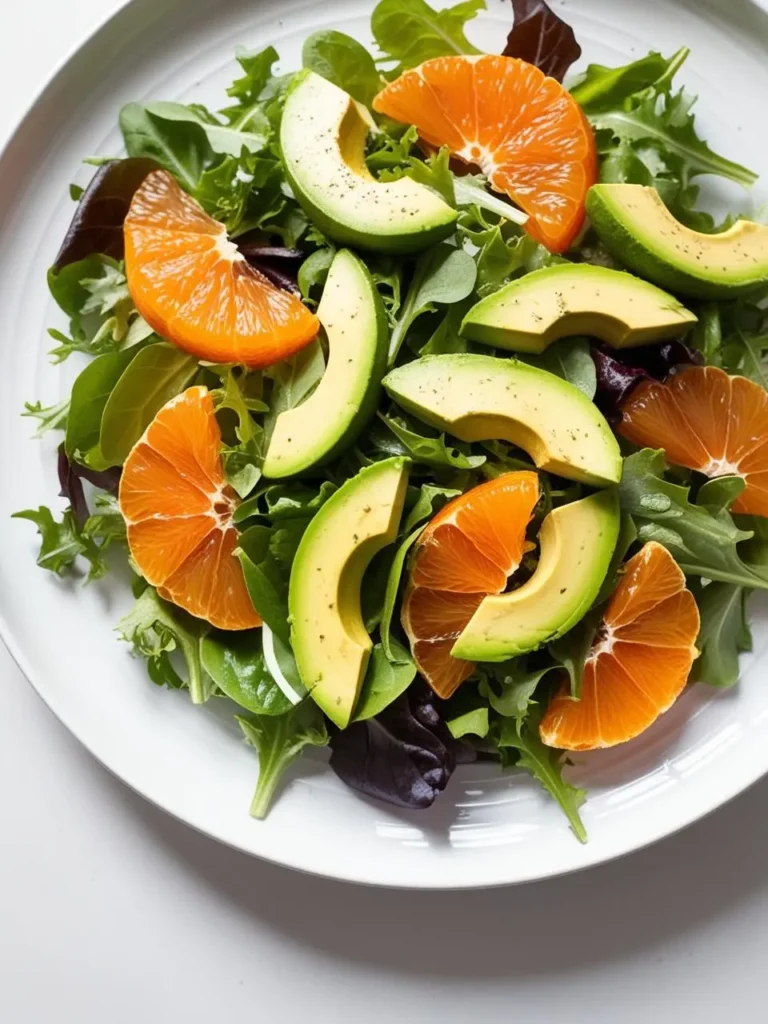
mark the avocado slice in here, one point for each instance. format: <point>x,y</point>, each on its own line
<point>576,298</point>
<point>322,136</point>
<point>481,398</point>
<point>352,313</point>
<point>636,227</point>
<point>329,640</point>
<point>577,543</point>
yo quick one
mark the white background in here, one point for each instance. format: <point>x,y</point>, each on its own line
<point>112,913</point>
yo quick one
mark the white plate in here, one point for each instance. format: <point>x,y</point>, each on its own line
<point>487,829</point>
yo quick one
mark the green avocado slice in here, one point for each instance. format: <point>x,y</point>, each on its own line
<point>482,398</point>
<point>577,542</point>
<point>556,302</point>
<point>322,137</point>
<point>637,228</point>
<point>352,313</point>
<point>330,642</point>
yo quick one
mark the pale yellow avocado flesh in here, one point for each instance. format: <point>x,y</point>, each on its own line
<point>556,302</point>
<point>331,418</point>
<point>481,398</point>
<point>329,639</point>
<point>322,136</point>
<point>577,542</point>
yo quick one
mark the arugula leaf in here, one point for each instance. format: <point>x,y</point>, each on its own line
<point>258,93</point>
<point>702,544</point>
<point>243,461</point>
<point>429,502</point>
<point>246,193</point>
<point>627,537</point>
<point>62,542</point>
<point>719,494</point>
<point>181,147</point>
<point>49,417</point>
<point>293,380</point>
<point>157,629</point>
<point>603,88</point>
<point>343,61</point>
<point>573,649</point>
<point>472,723</point>
<point>442,275</point>
<point>432,451</point>
<point>279,740</point>
<point>541,38</point>
<point>391,591</point>
<point>227,139</point>
<point>571,359</point>
<point>156,375</point>
<point>410,31</point>
<point>235,662</point>
<point>724,633</point>
<point>97,226</point>
<point>544,763</point>
<point>388,675</point>
<point>518,684</point>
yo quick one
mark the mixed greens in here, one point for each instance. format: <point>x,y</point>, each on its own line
<point>404,742</point>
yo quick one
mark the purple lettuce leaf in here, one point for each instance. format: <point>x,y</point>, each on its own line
<point>540,37</point>
<point>97,226</point>
<point>404,756</point>
<point>71,476</point>
<point>278,264</point>
<point>620,371</point>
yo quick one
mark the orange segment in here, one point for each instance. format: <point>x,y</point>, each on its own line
<point>194,288</point>
<point>639,663</point>
<point>707,421</point>
<point>469,550</point>
<point>524,130</point>
<point>178,509</point>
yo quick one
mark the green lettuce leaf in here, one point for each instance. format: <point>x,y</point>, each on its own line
<point>343,61</point>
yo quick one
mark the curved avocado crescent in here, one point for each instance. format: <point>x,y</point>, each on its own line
<point>577,542</point>
<point>567,299</point>
<point>329,639</point>
<point>322,137</point>
<point>352,313</point>
<point>482,398</point>
<point>637,228</point>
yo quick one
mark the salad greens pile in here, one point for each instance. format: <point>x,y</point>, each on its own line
<point>404,742</point>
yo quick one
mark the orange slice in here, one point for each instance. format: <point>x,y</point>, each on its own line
<point>178,509</point>
<point>194,288</point>
<point>640,661</point>
<point>524,130</point>
<point>707,421</point>
<point>469,550</point>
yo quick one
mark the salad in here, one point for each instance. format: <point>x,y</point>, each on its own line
<point>425,403</point>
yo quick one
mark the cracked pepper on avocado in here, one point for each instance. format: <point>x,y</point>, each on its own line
<point>425,403</point>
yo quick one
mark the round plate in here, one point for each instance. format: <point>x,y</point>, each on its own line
<point>488,828</point>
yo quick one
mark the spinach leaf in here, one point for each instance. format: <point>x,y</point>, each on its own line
<point>314,271</point>
<point>723,635</point>
<point>181,147</point>
<point>472,723</point>
<point>63,541</point>
<point>235,662</point>
<point>603,88</point>
<point>222,138</point>
<point>265,578</point>
<point>293,380</point>
<point>157,629</point>
<point>155,376</point>
<point>90,394</point>
<point>442,275</point>
<point>49,417</point>
<point>410,31</point>
<point>719,494</point>
<point>541,38</point>
<point>545,765</point>
<point>97,226</point>
<point>702,544</point>
<point>279,740</point>
<point>432,451</point>
<point>388,675</point>
<point>391,592</point>
<point>573,649</point>
<point>343,61</point>
<point>571,359</point>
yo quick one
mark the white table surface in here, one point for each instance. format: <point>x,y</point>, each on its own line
<point>113,913</point>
